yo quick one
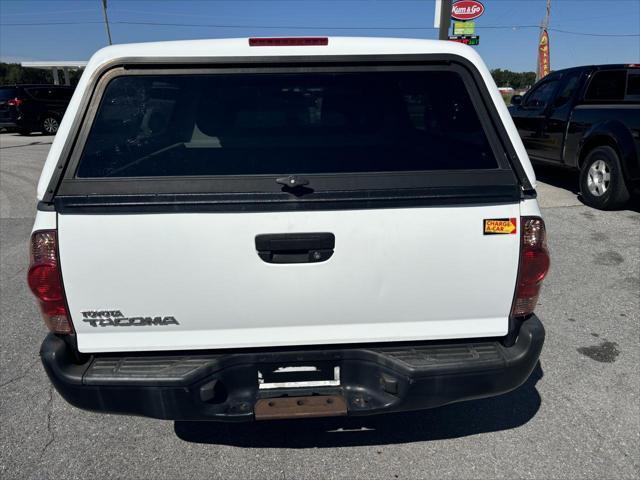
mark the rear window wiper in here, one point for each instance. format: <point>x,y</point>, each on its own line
<point>292,181</point>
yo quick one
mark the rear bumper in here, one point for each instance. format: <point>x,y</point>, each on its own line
<point>224,385</point>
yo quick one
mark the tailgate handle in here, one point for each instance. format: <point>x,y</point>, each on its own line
<point>295,247</point>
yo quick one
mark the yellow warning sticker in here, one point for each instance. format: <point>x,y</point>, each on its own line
<point>496,226</point>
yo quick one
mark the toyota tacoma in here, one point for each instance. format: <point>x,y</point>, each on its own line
<point>268,228</point>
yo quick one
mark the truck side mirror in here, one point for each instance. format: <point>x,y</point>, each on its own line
<point>516,100</point>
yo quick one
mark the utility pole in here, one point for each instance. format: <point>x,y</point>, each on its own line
<point>545,22</point>
<point>445,19</point>
<point>106,20</point>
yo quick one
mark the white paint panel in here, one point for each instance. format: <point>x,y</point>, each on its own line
<point>530,208</point>
<point>44,221</point>
<point>396,274</point>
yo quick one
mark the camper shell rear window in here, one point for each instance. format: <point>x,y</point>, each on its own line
<point>285,124</point>
<point>353,128</point>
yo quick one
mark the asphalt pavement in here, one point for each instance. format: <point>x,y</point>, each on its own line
<point>578,416</point>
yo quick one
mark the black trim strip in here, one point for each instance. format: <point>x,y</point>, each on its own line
<point>45,207</point>
<point>347,200</point>
<point>259,184</point>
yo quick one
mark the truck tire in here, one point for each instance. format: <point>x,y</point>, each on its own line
<point>602,183</point>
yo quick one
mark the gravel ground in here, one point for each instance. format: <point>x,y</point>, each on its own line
<point>576,417</point>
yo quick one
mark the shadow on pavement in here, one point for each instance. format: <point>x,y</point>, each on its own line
<point>507,411</point>
<point>31,144</point>
<point>558,177</point>
<point>634,203</point>
<point>568,180</point>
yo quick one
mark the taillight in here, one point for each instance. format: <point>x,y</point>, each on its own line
<point>15,102</point>
<point>288,41</point>
<point>45,281</point>
<point>534,265</point>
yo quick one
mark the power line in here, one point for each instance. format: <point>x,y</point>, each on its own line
<point>40,24</point>
<point>595,34</point>
<point>504,15</point>
<point>275,27</point>
<point>311,27</point>
<point>164,24</point>
<point>41,13</point>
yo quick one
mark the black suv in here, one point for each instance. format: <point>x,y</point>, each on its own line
<point>34,108</point>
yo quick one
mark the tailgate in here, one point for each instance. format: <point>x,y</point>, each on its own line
<point>402,274</point>
<point>375,182</point>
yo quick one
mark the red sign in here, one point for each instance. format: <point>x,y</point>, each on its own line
<point>544,56</point>
<point>466,10</point>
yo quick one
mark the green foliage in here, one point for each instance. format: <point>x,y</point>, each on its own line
<point>14,73</point>
<point>516,80</point>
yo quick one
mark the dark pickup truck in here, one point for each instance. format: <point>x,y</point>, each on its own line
<point>586,119</point>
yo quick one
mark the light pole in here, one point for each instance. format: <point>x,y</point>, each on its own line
<point>445,19</point>
<point>106,20</point>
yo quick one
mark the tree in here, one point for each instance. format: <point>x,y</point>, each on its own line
<point>516,80</point>
<point>14,73</point>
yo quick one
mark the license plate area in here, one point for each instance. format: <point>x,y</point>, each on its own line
<point>308,375</point>
<point>300,407</point>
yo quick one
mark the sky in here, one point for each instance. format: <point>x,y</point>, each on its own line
<point>73,30</point>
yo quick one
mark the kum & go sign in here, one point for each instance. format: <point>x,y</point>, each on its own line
<point>466,10</point>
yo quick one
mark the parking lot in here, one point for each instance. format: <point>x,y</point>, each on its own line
<point>577,416</point>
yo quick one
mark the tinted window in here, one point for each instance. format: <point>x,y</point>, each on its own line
<point>38,93</point>
<point>607,85</point>
<point>284,124</point>
<point>570,83</point>
<point>633,84</point>
<point>61,94</point>
<point>541,95</point>
<point>51,94</point>
<point>7,93</point>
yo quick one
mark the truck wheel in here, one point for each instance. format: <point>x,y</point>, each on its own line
<point>602,183</point>
<point>50,125</point>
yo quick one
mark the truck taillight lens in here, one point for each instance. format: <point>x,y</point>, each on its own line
<point>45,281</point>
<point>534,265</point>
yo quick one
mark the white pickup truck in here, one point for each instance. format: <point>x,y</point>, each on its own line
<point>275,228</point>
